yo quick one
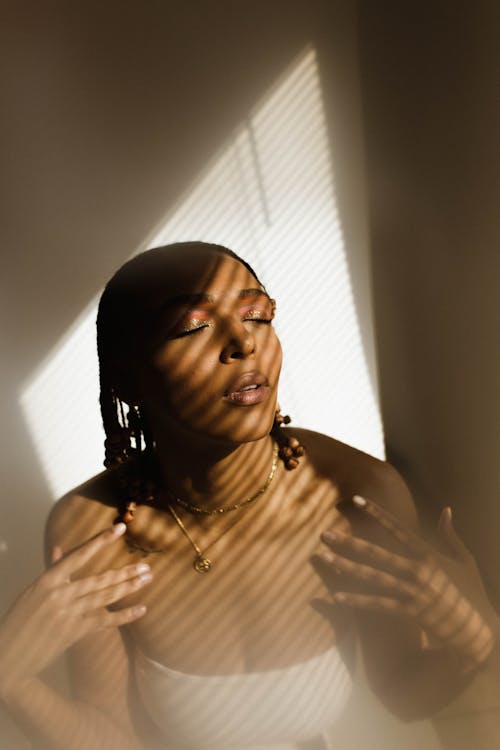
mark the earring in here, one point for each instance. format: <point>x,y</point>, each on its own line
<point>130,508</point>
<point>290,450</point>
<point>279,418</point>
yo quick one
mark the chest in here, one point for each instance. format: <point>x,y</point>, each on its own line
<point>253,609</point>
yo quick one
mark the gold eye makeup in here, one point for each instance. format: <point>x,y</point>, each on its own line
<point>259,308</point>
<point>194,321</point>
<point>264,313</point>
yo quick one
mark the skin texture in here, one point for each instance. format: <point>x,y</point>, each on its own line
<point>414,584</point>
<point>281,591</point>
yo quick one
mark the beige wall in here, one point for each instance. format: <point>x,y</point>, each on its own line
<point>432,122</point>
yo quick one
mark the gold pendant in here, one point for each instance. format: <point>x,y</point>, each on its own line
<point>201,564</point>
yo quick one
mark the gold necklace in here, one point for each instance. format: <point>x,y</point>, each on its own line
<point>195,509</point>
<point>201,563</point>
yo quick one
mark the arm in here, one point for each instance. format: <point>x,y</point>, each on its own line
<point>56,723</point>
<point>54,613</point>
<point>425,622</point>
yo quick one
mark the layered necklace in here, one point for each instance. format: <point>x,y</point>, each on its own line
<point>201,563</point>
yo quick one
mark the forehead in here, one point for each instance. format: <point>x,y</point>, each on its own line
<point>212,273</point>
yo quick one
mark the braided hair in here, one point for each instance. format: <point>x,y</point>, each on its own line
<point>129,444</point>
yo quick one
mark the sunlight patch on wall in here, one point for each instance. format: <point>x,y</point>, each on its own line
<point>269,195</point>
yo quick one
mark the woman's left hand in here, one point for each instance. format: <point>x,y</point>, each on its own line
<point>443,593</point>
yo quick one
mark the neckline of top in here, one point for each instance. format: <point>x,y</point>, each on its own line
<point>333,651</point>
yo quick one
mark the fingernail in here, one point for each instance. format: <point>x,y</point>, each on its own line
<point>339,597</point>
<point>139,610</point>
<point>448,511</point>
<point>119,528</point>
<point>145,577</point>
<point>359,501</point>
<point>143,568</point>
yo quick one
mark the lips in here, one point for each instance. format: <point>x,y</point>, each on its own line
<point>250,388</point>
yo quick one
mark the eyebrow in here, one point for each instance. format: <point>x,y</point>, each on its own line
<point>193,299</point>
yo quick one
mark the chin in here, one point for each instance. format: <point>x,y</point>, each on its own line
<point>247,425</point>
<point>226,426</point>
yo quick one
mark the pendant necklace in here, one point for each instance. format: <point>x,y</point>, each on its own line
<point>201,563</point>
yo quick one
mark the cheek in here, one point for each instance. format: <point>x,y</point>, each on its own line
<point>271,358</point>
<point>184,378</point>
<point>177,364</point>
<point>188,381</point>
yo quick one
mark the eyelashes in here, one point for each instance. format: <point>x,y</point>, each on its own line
<point>195,324</point>
<point>188,332</point>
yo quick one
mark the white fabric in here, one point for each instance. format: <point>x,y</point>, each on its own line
<point>271,709</point>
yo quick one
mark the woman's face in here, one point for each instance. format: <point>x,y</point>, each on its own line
<point>212,359</point>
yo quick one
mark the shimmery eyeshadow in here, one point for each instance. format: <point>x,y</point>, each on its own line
<point>196,318</point>
<point>192,323</point>
<point>258,313</point>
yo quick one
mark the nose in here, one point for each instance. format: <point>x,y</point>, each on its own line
<point>240,343</point>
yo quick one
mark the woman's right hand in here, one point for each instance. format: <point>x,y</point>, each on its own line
<point>55,611</point>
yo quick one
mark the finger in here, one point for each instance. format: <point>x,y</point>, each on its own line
<point>99,599</point>
<point>106,619</point>
<point>80,555</point>
<point>403,535</point>
<point>56,554</point>
<point>368,552</point>
<point>450,537</point>
<point>369,575</point>
<point>326,571</point>
<point>92,584</point>
<point>371,603</point>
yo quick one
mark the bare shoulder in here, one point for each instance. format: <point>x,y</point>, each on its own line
<point>81,513</point>
<point>358,473</point>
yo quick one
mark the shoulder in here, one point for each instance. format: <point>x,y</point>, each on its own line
<point>358,473</point>
<point>81,513</point>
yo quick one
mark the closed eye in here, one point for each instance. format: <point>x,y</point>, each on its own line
<point>189,332</point>
<point>192,325</point>
<point>258,314</point>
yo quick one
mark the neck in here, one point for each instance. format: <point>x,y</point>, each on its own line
<point>213,476</point>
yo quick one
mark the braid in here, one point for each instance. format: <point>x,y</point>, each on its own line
<point>128,444</point>
<point>117,443</point>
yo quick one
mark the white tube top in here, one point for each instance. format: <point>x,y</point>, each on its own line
<point>271,709</point>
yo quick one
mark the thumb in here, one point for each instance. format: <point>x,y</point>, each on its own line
<point>453,543</point>
<point>56,554</point>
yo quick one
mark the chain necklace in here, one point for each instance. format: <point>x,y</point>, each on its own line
<point>201,563</point>
<point>195,509</point>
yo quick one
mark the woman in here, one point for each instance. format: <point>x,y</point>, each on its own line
<point>219,610</point>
